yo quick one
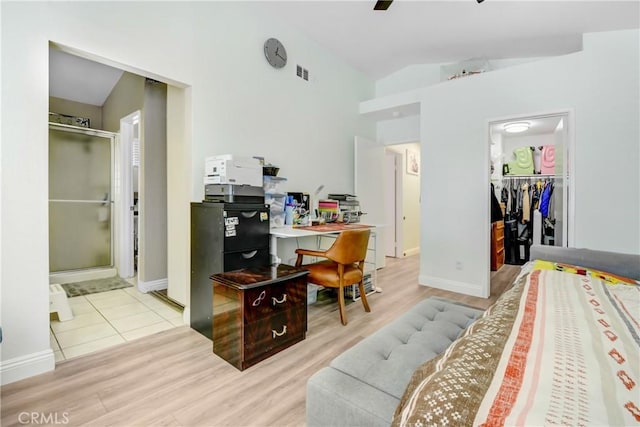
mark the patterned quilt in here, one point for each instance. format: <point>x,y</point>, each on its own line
<point>561,347</point>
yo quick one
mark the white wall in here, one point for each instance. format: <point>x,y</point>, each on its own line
<point>239,105</point>
<point>305,128</point>
<point>600,84</point>
<point>152,231</point>
<point>401,129</point>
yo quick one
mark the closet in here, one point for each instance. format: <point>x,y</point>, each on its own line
<point>529,183</point>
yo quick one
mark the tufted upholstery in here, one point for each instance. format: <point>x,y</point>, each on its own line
<point>364,384</point>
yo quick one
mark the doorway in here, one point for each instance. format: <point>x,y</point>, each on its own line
<point>80,201</point>
<point>530,158</point>
<point>403,198</point>
<point>107,318</point>
<point>128,162</point>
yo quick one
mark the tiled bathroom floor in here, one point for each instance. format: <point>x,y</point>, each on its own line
<point>109,318</point>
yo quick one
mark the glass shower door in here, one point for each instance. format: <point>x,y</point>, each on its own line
<point>80,205</point>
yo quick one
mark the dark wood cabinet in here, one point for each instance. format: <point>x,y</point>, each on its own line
<point>258,312</point>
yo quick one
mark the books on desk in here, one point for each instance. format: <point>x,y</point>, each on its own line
<point>328,206</point>
<point>329,210</point>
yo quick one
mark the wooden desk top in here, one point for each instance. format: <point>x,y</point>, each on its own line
<point>315,230</point>
<point>334,227</point>
<point>248,278</point>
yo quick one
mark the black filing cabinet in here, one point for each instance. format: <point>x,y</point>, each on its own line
<point>224,237</point>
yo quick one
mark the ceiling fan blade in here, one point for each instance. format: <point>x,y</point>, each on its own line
<point>382,5</point>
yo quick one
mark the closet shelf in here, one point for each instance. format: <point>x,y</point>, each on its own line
<point>529,176</point>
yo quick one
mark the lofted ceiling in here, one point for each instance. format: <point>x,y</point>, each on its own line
<point>379,43</point>
<point>79,79</point>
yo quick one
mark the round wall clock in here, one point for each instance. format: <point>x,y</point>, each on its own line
<point>275,53</point>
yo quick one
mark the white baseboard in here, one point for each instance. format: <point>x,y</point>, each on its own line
<point>22,367</point>
<point>82,275</point>
<point>412,251</point>
<point>154,285</point>
<point>451,285</point>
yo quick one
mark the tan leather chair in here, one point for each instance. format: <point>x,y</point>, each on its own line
<point>344,265</point>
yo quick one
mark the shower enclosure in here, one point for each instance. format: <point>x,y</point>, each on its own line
<point>81,182</point>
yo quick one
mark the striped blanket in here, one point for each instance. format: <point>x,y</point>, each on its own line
<point>558,348</point>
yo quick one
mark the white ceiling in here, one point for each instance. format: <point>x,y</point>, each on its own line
<point>537,126</point>
<point>80,80</point>
<point>379,43</point>
<point>427,32</point>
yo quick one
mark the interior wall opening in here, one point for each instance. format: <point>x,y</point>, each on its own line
<point>403,198</point>
<point>530,185</point>
<point>131,107</point>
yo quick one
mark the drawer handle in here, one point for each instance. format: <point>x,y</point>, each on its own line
<point>260,298</point>
<point>248,255</point>
<point>249,214</point>
<point>276,301</point>
<point>279,334</point>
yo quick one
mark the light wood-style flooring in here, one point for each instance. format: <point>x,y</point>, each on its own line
<point>172,378</point>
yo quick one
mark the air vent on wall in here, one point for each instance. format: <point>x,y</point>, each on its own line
<point>303,73</point>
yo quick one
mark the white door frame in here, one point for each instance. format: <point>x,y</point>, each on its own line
<point>129,126</point>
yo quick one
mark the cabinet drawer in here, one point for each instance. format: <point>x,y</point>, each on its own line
<point>499,259</point>
<point>278,330</point>
<point>497,230</point>
<point>246,259</point>
<point>266,301</point>
<point>246,229</point>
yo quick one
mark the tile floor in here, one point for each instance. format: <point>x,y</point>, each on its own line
<point>109,318</point>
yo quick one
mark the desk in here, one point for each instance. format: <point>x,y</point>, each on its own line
<point>288,232</point>
<point>327,230</point>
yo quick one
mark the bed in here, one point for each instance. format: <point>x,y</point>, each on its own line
<point>560,347</point>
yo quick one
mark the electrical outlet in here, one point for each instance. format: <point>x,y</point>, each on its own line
<point>459,265</point>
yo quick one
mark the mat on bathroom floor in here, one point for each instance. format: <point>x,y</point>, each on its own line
<point>94,286</point>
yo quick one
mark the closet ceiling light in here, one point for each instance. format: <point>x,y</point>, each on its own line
<point>516,127</point>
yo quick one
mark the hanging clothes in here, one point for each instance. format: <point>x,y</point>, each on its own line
<point>526,207</point>
<point>545,198</point>
<point>496,210</point>
<point>551,208</point>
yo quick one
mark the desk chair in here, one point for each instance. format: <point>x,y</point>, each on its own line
<point>344,266</point>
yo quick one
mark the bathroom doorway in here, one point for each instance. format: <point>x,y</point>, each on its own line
<point>136,106</point>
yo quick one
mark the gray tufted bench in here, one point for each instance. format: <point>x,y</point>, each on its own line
<point>363,386</point>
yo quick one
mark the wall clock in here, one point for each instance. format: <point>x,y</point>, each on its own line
<point>275,53</point>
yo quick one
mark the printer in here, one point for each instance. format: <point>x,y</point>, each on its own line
<point>233,179</point>
<point>230,169</point>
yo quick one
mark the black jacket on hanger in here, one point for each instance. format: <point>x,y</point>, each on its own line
<point>496,211</point>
